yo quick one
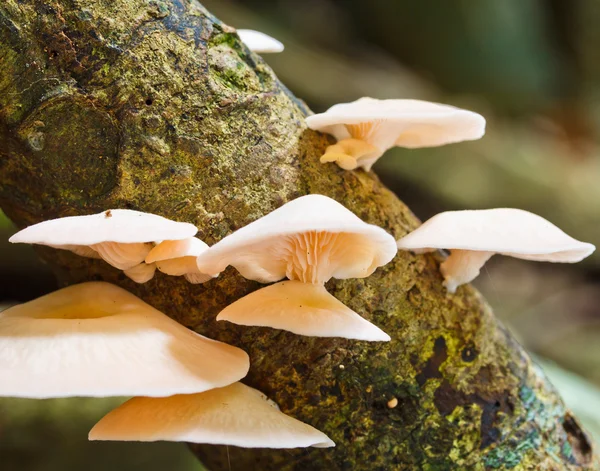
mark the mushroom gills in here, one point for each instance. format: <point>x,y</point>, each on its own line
<point>303,309</point>
<point>462,266</point>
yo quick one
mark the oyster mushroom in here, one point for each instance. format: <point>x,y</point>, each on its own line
<point>259,42</point>
<point>309,240</point>
<point>367,127</point>
<point>96,339</point>
<point>178,257</point>
<point>474,236</point>
<point>121,237</point>
<point>234,415</point>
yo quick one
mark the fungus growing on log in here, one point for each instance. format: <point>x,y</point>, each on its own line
<point>234,415</point>
<point>308,240</point>
<point>259,42</point>
<point>474,236</point>
<point>121,237</point>
<point>178,257</point>
<point>96,339</point>
<point>367,127</point>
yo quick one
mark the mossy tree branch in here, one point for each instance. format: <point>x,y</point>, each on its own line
<point>156,105</point>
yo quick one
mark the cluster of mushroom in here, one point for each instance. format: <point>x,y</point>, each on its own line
<point>96,339</point>
<point>367,127</point>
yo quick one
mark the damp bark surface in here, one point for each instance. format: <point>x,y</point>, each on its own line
<point>158,106</point>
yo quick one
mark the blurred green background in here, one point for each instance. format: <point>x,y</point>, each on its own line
<point>531,67</point>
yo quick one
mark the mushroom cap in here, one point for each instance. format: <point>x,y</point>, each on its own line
<point>96,339</point>
<point>303,309</point>
<point>506,231</point>
<point>178,257</point>
<point>259,42</point>
<point>115,225</point>
<point>252,249</point>
<point>401,122</point>
<point>234,415</point>
<point>170,249</point>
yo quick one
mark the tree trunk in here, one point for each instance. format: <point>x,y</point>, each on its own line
<point>157,106</point>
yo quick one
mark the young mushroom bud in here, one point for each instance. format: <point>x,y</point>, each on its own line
<point>234,415</point>
<point>309,240</point>
<point>96,339</point>
<point>367,127</point>
<point>178,257</point>
<point>258,42</point>
<point>475,236</point>
<point>121,237</point>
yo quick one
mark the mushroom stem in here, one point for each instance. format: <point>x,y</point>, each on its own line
<point>348,153</point>
<point>462,266</point>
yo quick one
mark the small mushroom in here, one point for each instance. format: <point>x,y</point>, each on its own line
<point>141,273</point>
<point>178,257</point>
<point>476,235</point>
<point>234,415</point>
<point>259,42</point>
<point>121,237</point>
<point>96,339</point>
<point>367,127</point>
<point>309,240</point>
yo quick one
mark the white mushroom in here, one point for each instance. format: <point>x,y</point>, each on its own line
<point>309,240</point>
<point>259,42</point>
<point>367,127</point>
<point>141,273</point>
<point>96,339</point>
<point>234,415</point>
<point>178,257</point>
<point>474,236</point>
<point>121,237</point>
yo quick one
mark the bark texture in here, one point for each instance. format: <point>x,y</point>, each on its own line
<point>157,106</point>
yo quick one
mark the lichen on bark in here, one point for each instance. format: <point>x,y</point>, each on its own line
<point>157,106</point>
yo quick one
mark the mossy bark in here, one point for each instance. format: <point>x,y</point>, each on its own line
<point>157,106</point>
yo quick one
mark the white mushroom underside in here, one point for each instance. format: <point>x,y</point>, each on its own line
<point>123,256</point>
<point>234,415</point>
<point>301,308</point>
<point>310,257</point>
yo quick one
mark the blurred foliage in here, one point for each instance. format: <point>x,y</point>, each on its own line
<point>530,67</point>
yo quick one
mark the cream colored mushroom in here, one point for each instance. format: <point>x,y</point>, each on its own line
<point>121,237</point>
<point>474,236</point>
<point>367,127</point>
<point>178,257</point>
<point>96,339</point>
<point>309,240</point>
<point>259,42</point>
<point>234,415</point>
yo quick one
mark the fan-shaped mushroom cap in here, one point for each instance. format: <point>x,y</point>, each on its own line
<point>505,231</point>
<point>303,309</point>
<point>141,273</point>
<point>388,123</point>
<point>96,339</point>
<point>234,415</point>
<point>311,239</point>
<point>178,257</point>
<point>259,42</point>
<point>120,236</point>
